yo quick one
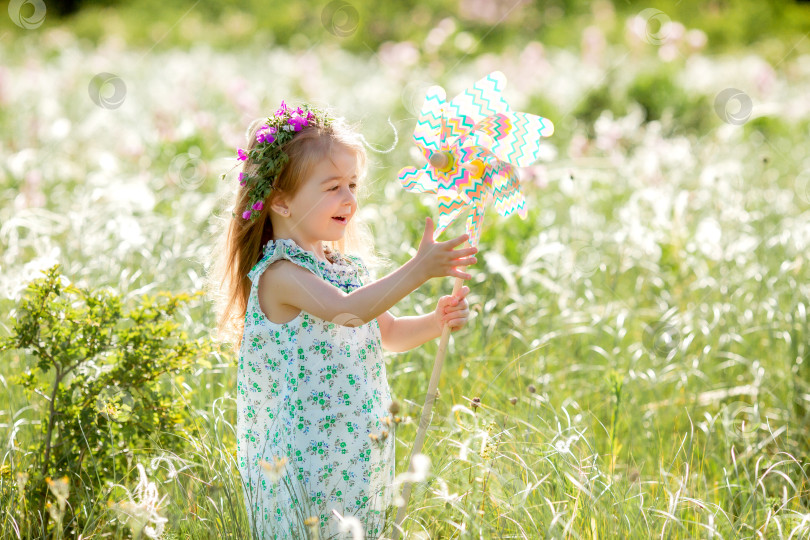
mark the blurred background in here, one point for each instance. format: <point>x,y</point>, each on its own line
<point>656,291</point>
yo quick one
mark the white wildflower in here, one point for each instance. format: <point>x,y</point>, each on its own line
<point>350,524</point>
<point>60,489</point>
<point>420,470</point>
<point>141,513</point>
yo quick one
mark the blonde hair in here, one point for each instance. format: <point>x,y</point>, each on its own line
<point>239,244</point>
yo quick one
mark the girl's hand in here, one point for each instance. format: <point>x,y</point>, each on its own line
<point>453,311</point>
<point>438,259</point>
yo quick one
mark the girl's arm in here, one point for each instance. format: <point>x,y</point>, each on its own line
<point>400,334</point>
<point>286,283</point>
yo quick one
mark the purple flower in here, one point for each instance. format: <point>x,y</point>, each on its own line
<point>242,179</point>
<point>258,205</point>
<point>265,134</point>
<point>242,154</point>
<point>247,214</point>
<point>281,110</point>
<point>297,122</point>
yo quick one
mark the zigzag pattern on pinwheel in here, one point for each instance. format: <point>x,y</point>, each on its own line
<point>426,136</point>
<point>429,125</point>
<point>473,224</point>
<point>455,126</point>
<point>434,98</point>
<point>476,103</point>
<point>481,104</point>
<point>503,180</point>
<point>513,146</point>
<point>496,126</point>
<point>510,201</point>
<point>487,95</point>
<point>517,142</point>
<point>509,206</point>
<point>415,180</point>
<point>471,189</point>
<point>529,129</point>
<point>476,191</point>
<point>424,142</point>
<point>449,208</point>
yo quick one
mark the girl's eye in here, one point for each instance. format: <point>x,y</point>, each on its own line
<point>351,185</point>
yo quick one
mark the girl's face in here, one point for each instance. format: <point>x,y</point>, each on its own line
<point>326,201</point>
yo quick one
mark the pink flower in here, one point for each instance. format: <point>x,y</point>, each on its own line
<point>281,110</point>
<point>242,179</point>
<point>258,205</point>
<point>297,122</point>
<point>246,214</point>
<point>242,154</point>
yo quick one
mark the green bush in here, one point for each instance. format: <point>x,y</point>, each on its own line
<point>98,386</point>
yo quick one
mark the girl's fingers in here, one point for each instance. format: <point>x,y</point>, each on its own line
<point>428,225</point>
<point>456,309</point>
<point>461,315</point>
<point>457,240</point>
<point>462,275</point>
<point>456,324</point>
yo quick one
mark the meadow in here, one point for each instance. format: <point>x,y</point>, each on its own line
<point>640,342</point>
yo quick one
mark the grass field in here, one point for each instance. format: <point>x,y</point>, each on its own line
<point>640,341</point>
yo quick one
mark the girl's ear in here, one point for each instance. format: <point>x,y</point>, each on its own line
<point>279,205</point>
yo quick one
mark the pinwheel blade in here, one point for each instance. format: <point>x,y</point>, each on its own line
<point>450,207</point>
<point>418,180</point>
<point>481,100</point>
<point>428,132</point>
<point>474,222</point>
<point>515,136</point>
<point>505,188</point>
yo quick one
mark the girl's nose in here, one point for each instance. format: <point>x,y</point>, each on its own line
<point>351,196</point>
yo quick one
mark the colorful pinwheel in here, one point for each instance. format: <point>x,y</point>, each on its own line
<point>472,144</point>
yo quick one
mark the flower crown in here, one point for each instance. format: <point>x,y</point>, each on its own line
<point>268,152</point>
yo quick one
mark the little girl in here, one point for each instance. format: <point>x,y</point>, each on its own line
<point>312,393</point>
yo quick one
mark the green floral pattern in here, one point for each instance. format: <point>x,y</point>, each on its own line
<point>312,391</point>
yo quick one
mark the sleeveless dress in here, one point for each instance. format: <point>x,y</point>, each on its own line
<point>312,391</point>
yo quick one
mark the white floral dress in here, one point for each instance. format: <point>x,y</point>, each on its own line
<point>312,391</point>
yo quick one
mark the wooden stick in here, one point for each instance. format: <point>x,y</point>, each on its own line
<point>424,422</point>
